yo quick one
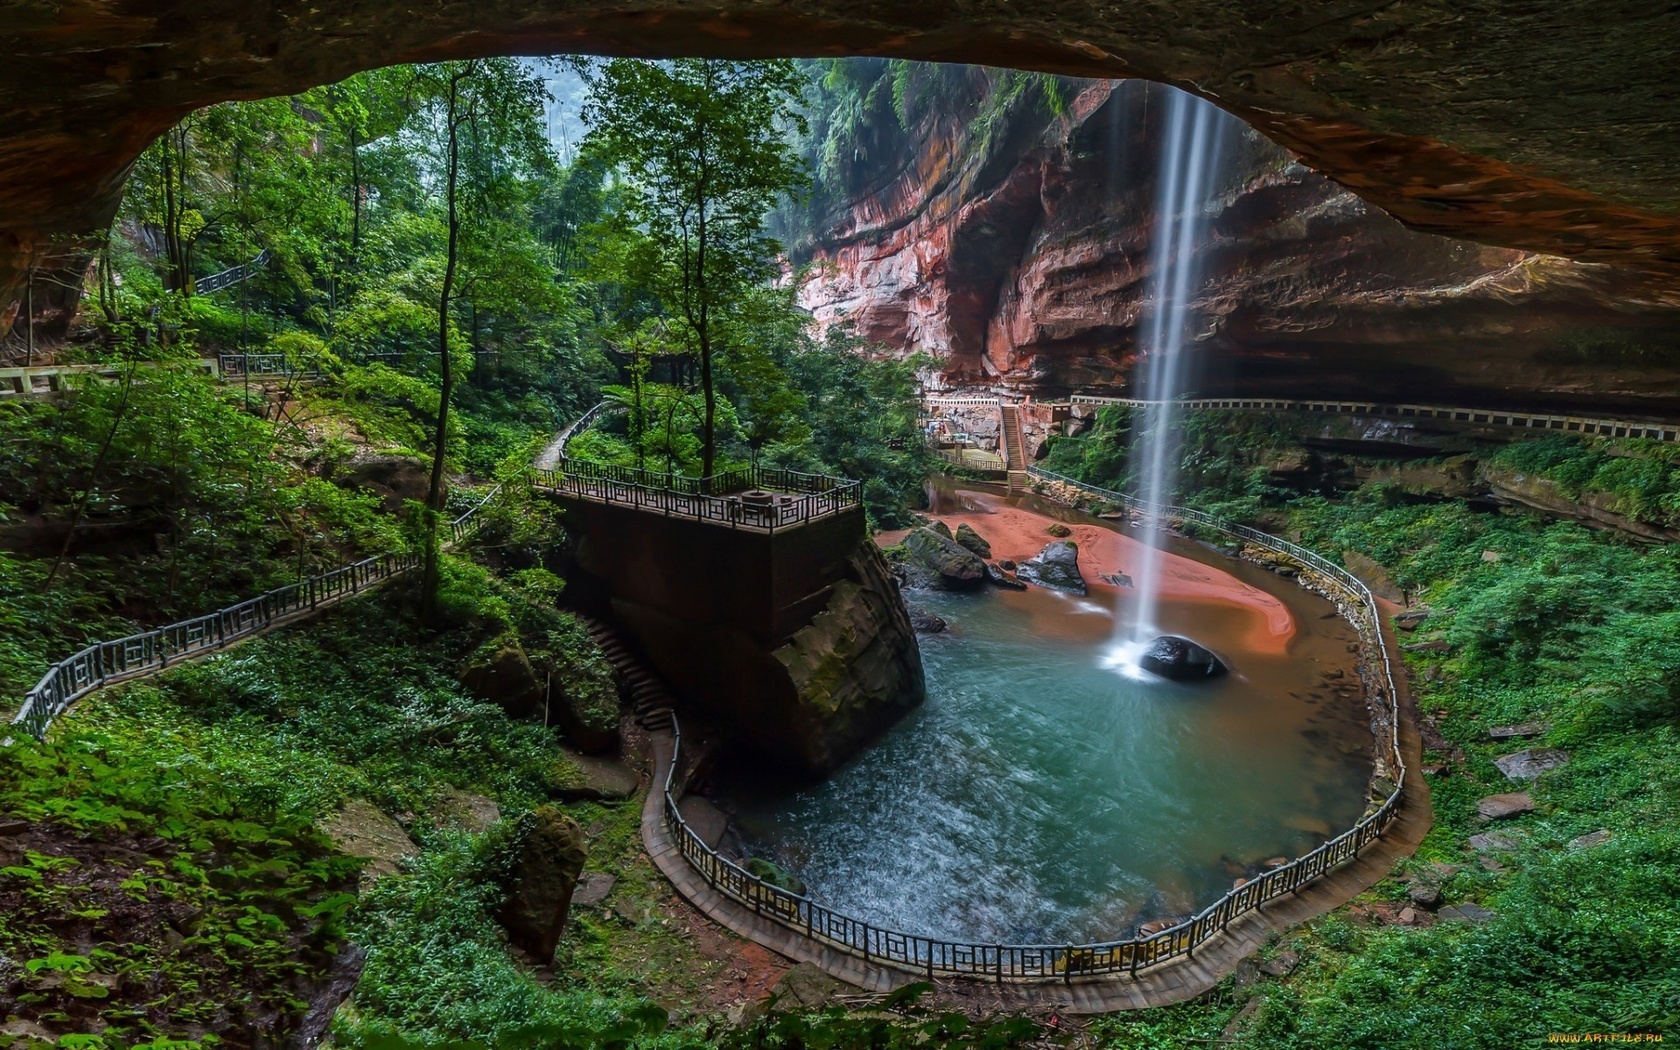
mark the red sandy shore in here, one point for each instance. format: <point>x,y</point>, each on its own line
<point>1018,534</point>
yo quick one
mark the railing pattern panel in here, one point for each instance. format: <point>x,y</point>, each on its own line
<point>1486,416</point>
<point>1001,962</point>
<point>795,497</point>
<point>231,276</point>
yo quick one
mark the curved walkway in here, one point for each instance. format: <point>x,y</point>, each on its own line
<point>1161,985</point>
<point>1600,426</point>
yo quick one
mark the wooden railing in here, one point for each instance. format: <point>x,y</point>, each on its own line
<point>933,957</point>
<point>792,497</point>
<point>137,655</point>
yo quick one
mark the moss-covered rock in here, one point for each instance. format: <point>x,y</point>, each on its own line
<point>583,691</point>
<point>855,670</point>
<point>943,562</point>
<point>775,875</point>
<point>973,541</point>
<point>549,854</point>
<point>500,672</point>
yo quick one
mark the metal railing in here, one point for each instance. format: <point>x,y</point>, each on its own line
<point>790,498</point>
<point>230,276</point>
<point>1589,425</point>
<point>235,365</point>
<point>105,663</point>
<point>934,957</point>
<point>1585,425</point>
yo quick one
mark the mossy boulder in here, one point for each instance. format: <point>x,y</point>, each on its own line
<point>940,527</point>
<point>973,540</point>
<point>1058,530</point>
<point>500,672</point>
<point>854,670</point>
<point>943,562</point>
<point>774,874</point>
<point>583,691</point>
<point>548,857</point>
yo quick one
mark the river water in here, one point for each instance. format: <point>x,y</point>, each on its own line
<point>1041,796</point>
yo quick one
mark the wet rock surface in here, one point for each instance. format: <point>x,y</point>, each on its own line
<point>1180,659</point>
<point>1056,566</point>
<point>923,621</point>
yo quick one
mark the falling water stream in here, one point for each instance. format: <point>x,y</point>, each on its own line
<point>1190,156</point>
<point>1037,797</point>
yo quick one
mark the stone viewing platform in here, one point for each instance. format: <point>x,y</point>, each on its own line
<point>761,499</point>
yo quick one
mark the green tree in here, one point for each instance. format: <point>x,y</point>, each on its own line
<point>702,146</point>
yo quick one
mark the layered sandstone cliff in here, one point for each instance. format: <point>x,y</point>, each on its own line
<point>1022,262</point>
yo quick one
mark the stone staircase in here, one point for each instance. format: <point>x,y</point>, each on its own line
<point>650,700</point>
<point>1014,448</point>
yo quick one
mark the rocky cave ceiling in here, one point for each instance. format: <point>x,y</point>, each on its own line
<point>1550,127</point>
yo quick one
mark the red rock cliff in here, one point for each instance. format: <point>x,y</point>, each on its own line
<point>1018,256</point>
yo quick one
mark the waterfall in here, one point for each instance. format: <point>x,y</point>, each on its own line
<point>1189,156</point>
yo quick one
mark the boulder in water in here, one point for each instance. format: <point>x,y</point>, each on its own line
<point>1056,566</point>
<point>973,540</point>
<point>943,562</point>
<point>1179,659</point>
<point>922,621</point>
<point>1004,577</point>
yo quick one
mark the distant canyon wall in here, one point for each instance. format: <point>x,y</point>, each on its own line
<point>1017,257</point>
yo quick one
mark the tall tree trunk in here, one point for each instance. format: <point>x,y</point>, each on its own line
<point>435,492</point>
<point>93,477</point>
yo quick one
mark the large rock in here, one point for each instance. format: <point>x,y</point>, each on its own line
<point>1003,576</point>
<point>943,561</point>
<point>973,540</point>
<point>1528,765</point>
<point>501,673</point>
<point>1501,807</point>
<point>397,480</point>
<point>1180,659</point>
<point>362,830</point>
<point>1056,566</point>
<point>466,811</point>
<point>855,670</point>
<point>550,856</point>
<point>924,621</point>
